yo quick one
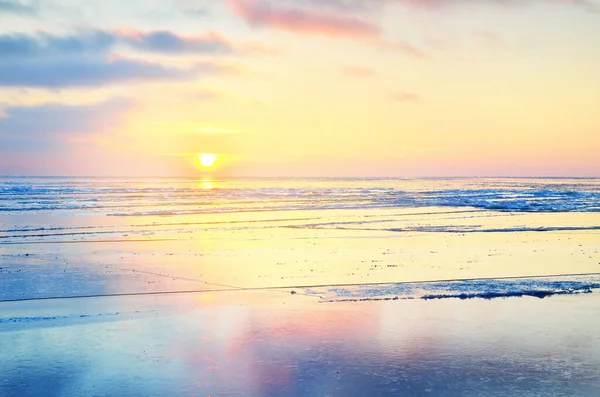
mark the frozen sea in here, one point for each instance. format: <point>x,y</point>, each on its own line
<point>299,287</point>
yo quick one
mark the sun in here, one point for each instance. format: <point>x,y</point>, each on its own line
<point>207,160</point>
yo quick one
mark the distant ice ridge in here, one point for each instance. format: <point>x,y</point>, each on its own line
<point>539,287</point>
<point>172,197</point>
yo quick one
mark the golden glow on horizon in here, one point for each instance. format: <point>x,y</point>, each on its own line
<point>206,184</point>
<point>207,160</point>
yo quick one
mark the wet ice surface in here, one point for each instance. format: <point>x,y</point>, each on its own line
<point>299,288</point>
<point>288,345</point>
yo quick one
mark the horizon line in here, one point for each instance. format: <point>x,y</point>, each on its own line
<point>308,177</point>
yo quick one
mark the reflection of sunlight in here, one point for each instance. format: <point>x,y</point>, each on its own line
<point>230,322</point>
<point>206,183</point>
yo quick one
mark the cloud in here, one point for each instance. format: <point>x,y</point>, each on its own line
<point>44,44</point>
<point>357,18</point>
<point>102,41</point>
<point>338,18</point>
<point>85,59</point>
<point>170,43</point>
<point>91,71</point>
<point>405,96</point>
<point>16,7</point>
<point>302,20</point>
<point>46,127</point>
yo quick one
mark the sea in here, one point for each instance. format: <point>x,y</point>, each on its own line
<point>181,196</point>
<point>299,287</point>
<point>62,210</point>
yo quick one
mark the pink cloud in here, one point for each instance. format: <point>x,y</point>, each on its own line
<point>307,21</point>
<point>314,20</point>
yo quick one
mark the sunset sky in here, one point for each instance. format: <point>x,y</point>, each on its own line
<point>300,87</point>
